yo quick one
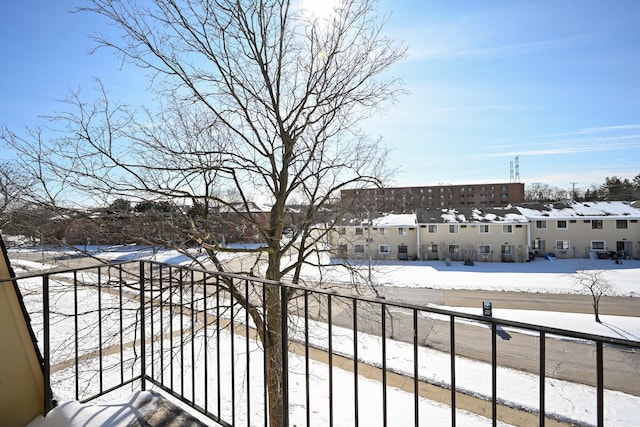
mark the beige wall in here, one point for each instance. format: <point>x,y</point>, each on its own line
<point>21,381</point>
<point>469,237</point>
<point>420,241</point>
<point>580,235</point>
<point>391,237</point>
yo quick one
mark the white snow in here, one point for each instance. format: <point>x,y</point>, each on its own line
<point>572,400</point>
<point>394,220</point>
<point>583,210</point>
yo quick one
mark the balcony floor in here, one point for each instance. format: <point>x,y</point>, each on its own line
<point>143,409</point>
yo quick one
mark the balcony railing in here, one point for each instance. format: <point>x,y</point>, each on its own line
<point>351,360</point>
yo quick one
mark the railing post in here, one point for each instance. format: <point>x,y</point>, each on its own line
<point>543,368</point>
<point>143,362</point>
<point>600,383</point>
<point>452,353</point>
<point>494,373</point>
<point>46,368</point>
<point>285,353</point>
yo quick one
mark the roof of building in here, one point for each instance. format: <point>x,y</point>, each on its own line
<point>471,215</point>
<point>582,210</point>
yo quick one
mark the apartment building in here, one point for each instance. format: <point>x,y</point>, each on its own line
<point>510,234</point>
<point>409,199</point>
<point>584,230</point>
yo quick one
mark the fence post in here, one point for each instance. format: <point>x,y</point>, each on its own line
<point>46,368</point>
<point>284,299</point>
<point>143,362</point>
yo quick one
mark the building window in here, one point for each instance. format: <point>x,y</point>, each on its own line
<point>454,249</point>
<point>342,230</point>
<point>384,249</point>
<point>541,224</point>
<point>432,248</point>
<point>402,231</point>
<point>403,249</point>
<point>561,224</point>
<point>342,249</point>
<point>537,244</point>
<point>359,231</point>
<point>563,245</point>
<point>383,231</point>
<point>507,229</point>
<point>596,224</point>
<point>506,249</point>
<point>453,228</point>
<point>621,223</point>
<point>433,228</point>
<point>484,249</point>
<point>484,228</point>
<point>359,249</point>
<point>597,245</point>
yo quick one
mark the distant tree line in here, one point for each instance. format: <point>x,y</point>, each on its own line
<point>613,189</point>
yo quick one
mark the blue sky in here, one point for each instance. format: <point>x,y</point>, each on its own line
<point>556,83</point>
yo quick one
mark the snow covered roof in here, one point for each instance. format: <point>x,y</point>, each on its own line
<point>470,215</point>
<point>583,210</point>
<point>395,220</point>
<point>383,220</point>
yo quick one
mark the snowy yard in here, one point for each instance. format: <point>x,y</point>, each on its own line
<point>573,400</point>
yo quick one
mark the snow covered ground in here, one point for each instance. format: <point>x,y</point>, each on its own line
<point>539,276</point>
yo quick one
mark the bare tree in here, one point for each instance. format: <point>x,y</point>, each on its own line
<point>13,186</point>
<point>596,284</point>
<point>540,192</point>
<point>258,99</point>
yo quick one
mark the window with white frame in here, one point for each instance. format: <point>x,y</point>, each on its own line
<point>622,224</point>
<point>359,231</point>
<point>432,248</point>
<point>342,249</point>
<point>383,231</point>
<point>433,228</point>
<point>596,224</point>
<point>453,228</point>
<point>359,249</point>
<point>507,229</point>
<point>384,249</point>
<point>598,245</point>
<point>541,224</point>
<point>402,231</point>
<point>484,249</point>
<point>561,224</point>
<point>454,249</point>
<point>342,230</point>
<point>563,245</point>
<point>484,228</point>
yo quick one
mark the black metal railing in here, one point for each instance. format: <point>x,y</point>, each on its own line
<point>200,336</point>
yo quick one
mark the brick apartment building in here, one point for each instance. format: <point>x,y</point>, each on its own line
<point>408,199</point>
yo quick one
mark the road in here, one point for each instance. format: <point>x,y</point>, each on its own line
<point>619,306</point>
<point>567,360</point>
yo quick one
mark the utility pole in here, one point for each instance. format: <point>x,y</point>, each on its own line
<point>573,191</point>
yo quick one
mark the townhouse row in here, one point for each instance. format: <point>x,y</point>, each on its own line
<point>509,234</point>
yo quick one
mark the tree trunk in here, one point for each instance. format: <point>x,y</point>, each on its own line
<point>274,358</point>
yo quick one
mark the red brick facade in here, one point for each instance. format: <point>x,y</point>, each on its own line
<point>408,199</point>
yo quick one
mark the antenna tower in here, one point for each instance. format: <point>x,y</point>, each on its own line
<point>517,168</point>
<point>511,175</point>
